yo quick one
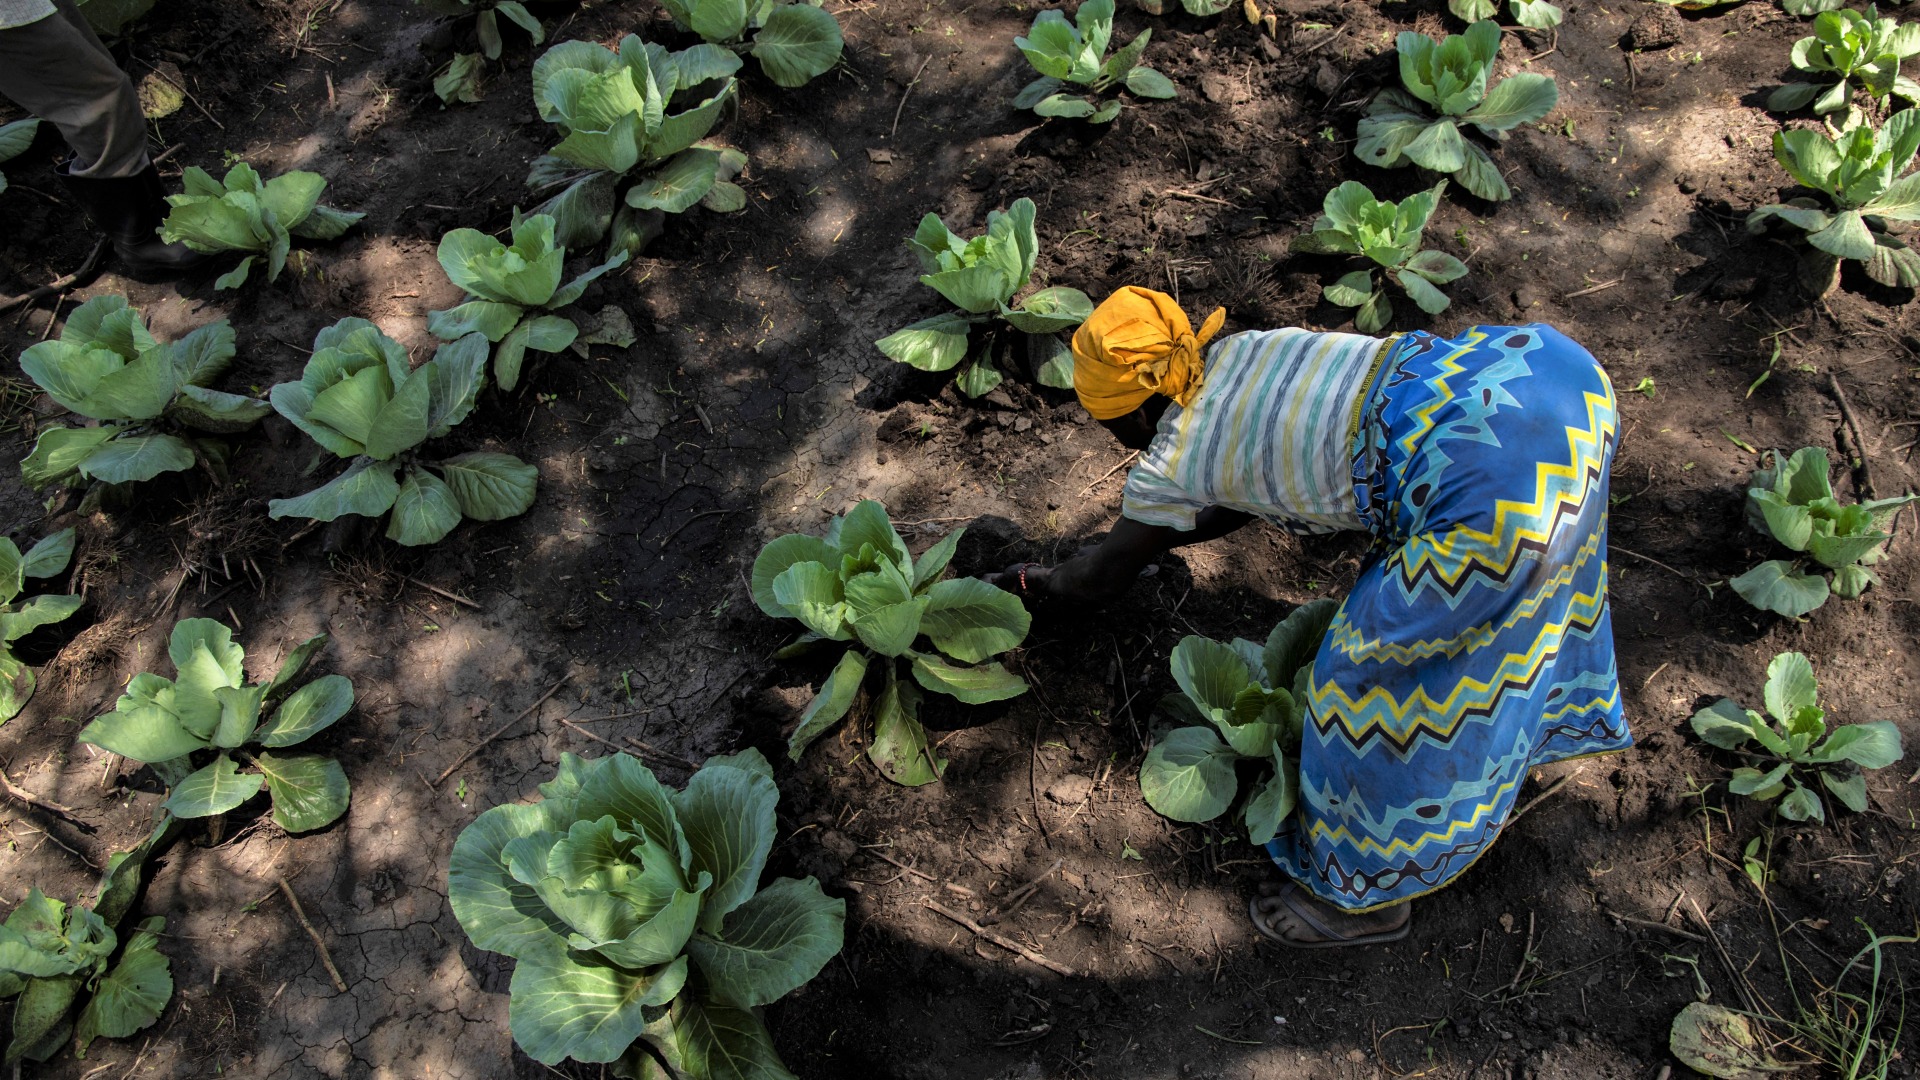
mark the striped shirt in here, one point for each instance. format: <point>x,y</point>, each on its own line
<point>1270,433</point>
<point>18,13</point>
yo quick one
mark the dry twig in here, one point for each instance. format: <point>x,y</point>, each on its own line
<point>440,592</point>
<point>501,730</point>
<point>1853,429</point>
<point>20,794</point>
<point>904,94</point>
<point>1004,942</point>
<point>63,284</point>
<point>318,943</point>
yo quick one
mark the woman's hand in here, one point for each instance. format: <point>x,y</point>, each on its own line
<point>1025,580</point>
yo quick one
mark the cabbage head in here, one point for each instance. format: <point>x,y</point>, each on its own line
<point>637,917</point>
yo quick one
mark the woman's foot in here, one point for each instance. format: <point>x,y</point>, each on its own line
<point>1286,913</point>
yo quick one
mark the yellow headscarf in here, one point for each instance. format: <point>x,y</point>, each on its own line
<point>1138,343</point>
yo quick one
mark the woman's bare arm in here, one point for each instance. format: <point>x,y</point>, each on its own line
<point>1104,571</point>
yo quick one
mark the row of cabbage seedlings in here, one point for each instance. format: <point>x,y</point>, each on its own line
<point>358,396</point>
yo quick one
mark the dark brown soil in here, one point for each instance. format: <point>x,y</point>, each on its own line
<point>754,404</point>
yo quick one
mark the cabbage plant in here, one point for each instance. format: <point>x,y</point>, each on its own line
<point>794,42</point>
<point>46,559</point>
<point>1389,233</point>
<point>51,953</point>
<point>632,122</point>
<point>1532,14</point>
<point>636,918</point>
<point>172,724</point>
<point>1855,47</point>
<point>150,399</point>
<point>1798,744</point>
<point>980,277</point>
<point>243,213</point>
<point>504,282</point>
<point>357,398</point>
<point>1075,52</point>
<point>1454,77</point>
<point>1792,501</point>
<point>14,140</point>
<point>1247,702</point>
<point>1202,8</point>
<point>486,20</point>
<point>1857,173</point>
<point>859,585</point>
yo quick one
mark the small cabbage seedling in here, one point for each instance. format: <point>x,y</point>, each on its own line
<point>1389,233</point>
<point>150,398</point>
<point>794,42</point>
<point>242,213</point>
<point>209,705</point>
<point>46,559</point>
<point>1202,8</point>
<point>1792,501</point>
<point>486,21</point>
<point>1532,14</point>
<point>358,399</point>
<point>1798,745</point>
<point>980,277</point>
<point>459,81</point>
<point>1071,52</point>
<point>636,917</point>
<point>1247,702</point>
<point>1454,76</point>
<point>1860,174</point>
<point>1855,47</point>
<point>632,122</point>
<point>14,140</point>
<point>862,587</point>
<point>504,282</point>
<point>51,953</point>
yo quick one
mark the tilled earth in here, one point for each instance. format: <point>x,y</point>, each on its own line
<point>754,404</point>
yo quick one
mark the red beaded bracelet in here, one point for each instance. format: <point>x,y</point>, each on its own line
<point>1023,575</point>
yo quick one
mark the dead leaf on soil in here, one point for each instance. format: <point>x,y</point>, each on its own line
<point>160,91</point>
<point>1720,1042</point>
<point>879,157</point>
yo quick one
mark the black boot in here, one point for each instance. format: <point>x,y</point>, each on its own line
<point>129,210</point>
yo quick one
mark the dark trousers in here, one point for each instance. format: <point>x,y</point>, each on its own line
<point>57,70</point>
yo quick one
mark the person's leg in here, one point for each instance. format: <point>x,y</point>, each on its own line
<point>1473,649</point>
<point>57,70</point>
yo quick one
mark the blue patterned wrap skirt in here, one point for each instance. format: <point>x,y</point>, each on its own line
<point>1477,642</point>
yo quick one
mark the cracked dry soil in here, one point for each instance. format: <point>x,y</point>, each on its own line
<point>754,404</point>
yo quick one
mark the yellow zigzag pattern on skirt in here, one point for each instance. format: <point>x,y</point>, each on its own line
<point>1368,845</point>
<point>1519,528</point>
<point>1378,714</point>
<point>1350,642</point>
